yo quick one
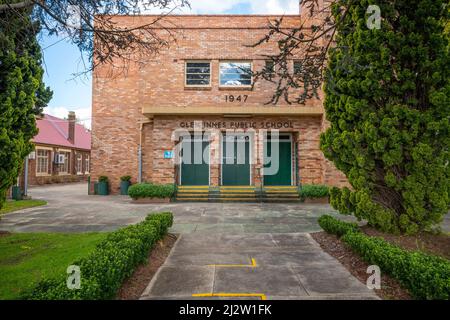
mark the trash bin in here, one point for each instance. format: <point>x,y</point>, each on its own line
<point>16,193</point>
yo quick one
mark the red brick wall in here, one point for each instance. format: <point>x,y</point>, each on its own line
<point>118,100</point>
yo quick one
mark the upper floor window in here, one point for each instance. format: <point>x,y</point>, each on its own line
<point>235,74</point>
<point>198,73</point>
<point>269,67</point>
<point>298,67</point>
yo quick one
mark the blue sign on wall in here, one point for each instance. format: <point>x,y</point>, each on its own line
<point>168,154</point>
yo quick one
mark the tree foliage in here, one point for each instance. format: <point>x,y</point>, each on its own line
<point>92,27</point>
<point>388,102</point>
<point>22,95</point>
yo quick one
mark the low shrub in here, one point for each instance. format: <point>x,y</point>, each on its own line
<point>103,179</point>
<point>335,226</point>
<point>112,261</point>
<point>149,190</point>
<point>125,178</point>
<point>425,276</point>
<point>314,191</point>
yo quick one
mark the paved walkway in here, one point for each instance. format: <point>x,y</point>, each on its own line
<point>252,266</point>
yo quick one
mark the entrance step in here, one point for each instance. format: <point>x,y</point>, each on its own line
<point>279,194</point>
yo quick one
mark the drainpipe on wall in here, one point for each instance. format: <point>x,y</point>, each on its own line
<point>142,123</point>
<point>25,178</point>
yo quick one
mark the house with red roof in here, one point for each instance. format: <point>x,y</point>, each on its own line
<point>62,151</point>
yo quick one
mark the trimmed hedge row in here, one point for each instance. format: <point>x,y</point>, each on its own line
<point>149,190</point>
<point>426,276</point>
<point>335,226</point>
<point>314,191</point>
<point>112,261</point>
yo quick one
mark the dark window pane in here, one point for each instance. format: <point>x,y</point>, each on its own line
<point>297,67</point>
<point>198,73</point>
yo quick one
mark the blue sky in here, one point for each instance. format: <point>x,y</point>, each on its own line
<point>63,60</point>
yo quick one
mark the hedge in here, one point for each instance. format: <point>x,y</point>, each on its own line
<point>335,226</point>
<point>112,261</point>
<point>149,190</point>
<point>425,276</point>
<point>313,191</point>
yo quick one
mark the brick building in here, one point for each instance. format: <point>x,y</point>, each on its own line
<point>62,151</point>
<point>196,96</point>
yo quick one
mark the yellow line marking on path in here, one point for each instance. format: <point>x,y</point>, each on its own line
<point>236,295</point>
<point>252,265</point>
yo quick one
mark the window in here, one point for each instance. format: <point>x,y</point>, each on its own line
<point>79,163</point>
<point>234,74</point>
<point>42,161</point>
<point>297,67</point>
<point>270,67</point>
<point>64,161</point>
<point>198,73</point>
<point>87,165</point>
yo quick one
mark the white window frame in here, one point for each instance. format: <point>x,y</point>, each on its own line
<point>197,85</point>
<point>231,85</point>
<point>67,157</point>
<point>39,173</point>
<point>87,165</point>
<point>79,163</point>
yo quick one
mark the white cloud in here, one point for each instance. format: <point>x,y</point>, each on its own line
<point>84,115</point>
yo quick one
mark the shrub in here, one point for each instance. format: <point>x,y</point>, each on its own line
<point>425,276</point>
<point>125,178</point>
<point>111,262</point>
<point>149,190</point>
<point>103,179</point>
<point>313,191</point>
<point>335,226</point>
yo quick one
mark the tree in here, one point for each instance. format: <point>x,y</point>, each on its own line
<point>388,105</point>
<point>22,95</point>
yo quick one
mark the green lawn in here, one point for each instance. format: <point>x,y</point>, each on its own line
<point>13,205</point>
<point>26,257</point>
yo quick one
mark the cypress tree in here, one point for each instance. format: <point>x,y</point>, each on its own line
<point>388,103</point>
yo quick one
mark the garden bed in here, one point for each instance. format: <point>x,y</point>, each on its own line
<point>423,274</point>
<point>135,285</point>
<point>331,244</point>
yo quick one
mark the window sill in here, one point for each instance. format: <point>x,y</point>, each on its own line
<point>43,174</point>
<point>242,88</point>
<point>200,88</point>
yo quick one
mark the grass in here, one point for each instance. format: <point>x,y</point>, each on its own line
<point>14,205</point>
<point>27,257</point>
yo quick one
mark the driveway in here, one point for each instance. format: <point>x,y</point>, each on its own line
<point>70,209</point>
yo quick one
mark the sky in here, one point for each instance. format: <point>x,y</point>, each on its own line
<point>62,60</point>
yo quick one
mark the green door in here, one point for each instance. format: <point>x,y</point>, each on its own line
<point>283,176</point>
<point>194,168</point>
<point>236,160</point>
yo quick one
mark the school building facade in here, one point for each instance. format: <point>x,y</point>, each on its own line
<point>192,115</point>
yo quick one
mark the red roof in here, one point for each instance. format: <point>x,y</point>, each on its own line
<point>54,131</point>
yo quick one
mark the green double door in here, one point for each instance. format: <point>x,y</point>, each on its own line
<point>194,162</point>
<point>236,160</point>
<point>282,176</point>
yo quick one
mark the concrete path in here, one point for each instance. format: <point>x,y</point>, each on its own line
<point>252,266</point>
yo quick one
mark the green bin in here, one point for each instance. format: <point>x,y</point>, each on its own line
<point>16,193</point>
<point>124,185</point>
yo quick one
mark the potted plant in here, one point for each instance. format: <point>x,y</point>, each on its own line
<point>125,182</point>
<point>103,186</point>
